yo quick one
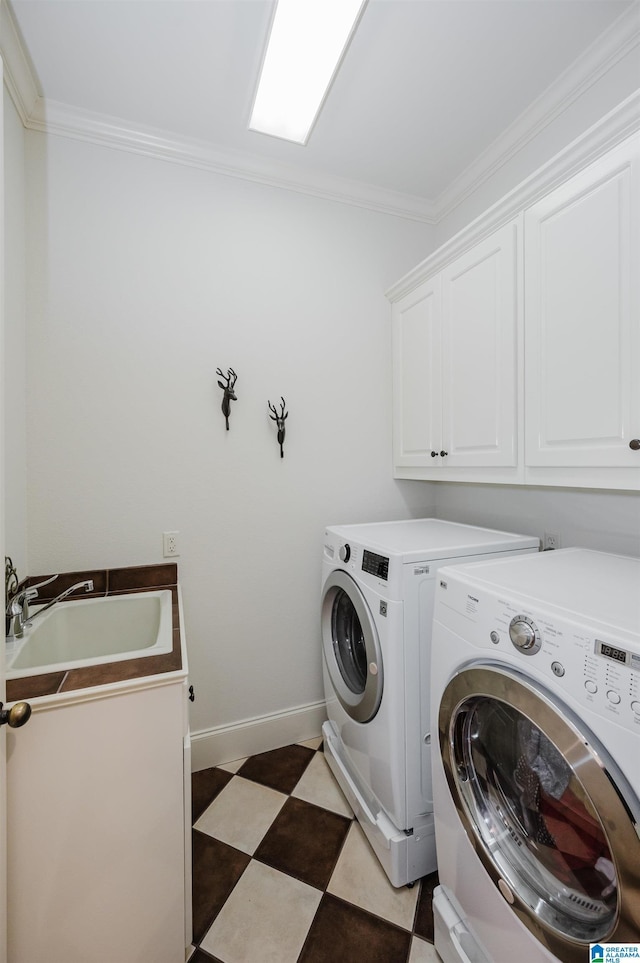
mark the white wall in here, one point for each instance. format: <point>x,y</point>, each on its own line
<point>606,521</point>
<point>14,370</point>
<point>143,278</point>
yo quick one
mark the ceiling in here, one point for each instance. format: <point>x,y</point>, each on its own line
<point>425,88</point>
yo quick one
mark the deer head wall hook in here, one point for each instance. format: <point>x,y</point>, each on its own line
<point>229,394</point>
<point>279,419</point>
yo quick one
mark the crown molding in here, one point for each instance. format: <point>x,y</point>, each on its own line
<point>56,118</point>
<point>50,117</point>
<point>615,127</point>
<point>621,39</point>
<point>18,73</point>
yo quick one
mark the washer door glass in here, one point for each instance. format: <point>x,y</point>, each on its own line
<point>348,639</point>
<point>351,647</point>
<point>554,830</point>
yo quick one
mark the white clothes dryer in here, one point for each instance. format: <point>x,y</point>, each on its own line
<point>378,584</point>
<point>536,703</point>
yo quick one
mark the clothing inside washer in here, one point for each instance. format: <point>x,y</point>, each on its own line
<point>531,810</point>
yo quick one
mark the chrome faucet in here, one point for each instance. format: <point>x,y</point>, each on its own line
<point>18,608</point>
<point>87,585</point>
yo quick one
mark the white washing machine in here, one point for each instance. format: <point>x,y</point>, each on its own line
<point>536,765</point>
<point>378,584</point>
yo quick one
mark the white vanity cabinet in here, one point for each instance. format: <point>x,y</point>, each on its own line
<point>96,815</point>
<point>455,356</point>
<point>582,324</point>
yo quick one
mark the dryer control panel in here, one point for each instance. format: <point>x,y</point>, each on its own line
<point>596,668</point>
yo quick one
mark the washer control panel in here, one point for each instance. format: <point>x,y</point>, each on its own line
<point>598,670</point>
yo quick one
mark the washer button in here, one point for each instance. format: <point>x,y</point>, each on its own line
<point>635,706</point>
<point>558,669</point>
<point>613,697</point>
<point>495,638</point>
<point>591,686</point>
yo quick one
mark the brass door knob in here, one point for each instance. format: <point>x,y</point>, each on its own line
<point>16,716</point>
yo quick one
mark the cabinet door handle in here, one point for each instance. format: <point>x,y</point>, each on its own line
<point>16,716</point>
<point>434,454</point>
<point>634,444</point>
<point>443,453</point>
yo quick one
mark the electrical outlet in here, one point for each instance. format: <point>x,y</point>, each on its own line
<point>170,544</point>
<point>551,542</point>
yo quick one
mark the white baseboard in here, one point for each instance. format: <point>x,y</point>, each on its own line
<point>212,747</point>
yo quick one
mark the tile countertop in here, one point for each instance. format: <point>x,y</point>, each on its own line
<point>115,581</point>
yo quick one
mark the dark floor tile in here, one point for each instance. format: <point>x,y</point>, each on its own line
<point>279,769</point>
<point>358,935</point>
<point>304,841</point>
<point>201,957</point>
<point>205,786</point>
<point>216,870</point>
<point>424,911</point>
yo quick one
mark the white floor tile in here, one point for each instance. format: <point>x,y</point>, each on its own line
<point>359,878</point>
<point>317,785</point>
<point>241,814</point>
<point>233,766</point>
<point>265,919</point>
<point>312,743</point>
<point>422,952</point>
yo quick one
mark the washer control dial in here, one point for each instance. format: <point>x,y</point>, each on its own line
<point>345,552</point>
<point>524,634</point>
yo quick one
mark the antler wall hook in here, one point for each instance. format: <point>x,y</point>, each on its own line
<point>279,419</point>
<point>229,394</point>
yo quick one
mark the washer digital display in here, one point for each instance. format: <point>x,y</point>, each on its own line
<point>377,565</point>
<point>610,651</point>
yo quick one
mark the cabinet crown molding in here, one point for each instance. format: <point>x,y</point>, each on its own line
<point>615,127</point>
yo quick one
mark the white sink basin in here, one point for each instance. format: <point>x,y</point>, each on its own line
<point>78,633</point>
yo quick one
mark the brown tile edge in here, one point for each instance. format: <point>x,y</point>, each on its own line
<point>139,578</point>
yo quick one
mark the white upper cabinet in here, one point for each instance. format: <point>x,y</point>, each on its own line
<point>455,366</point>
<point>479,363</point>
<point>417,407</point>
<point>516,350</point>
<point>582,318</point>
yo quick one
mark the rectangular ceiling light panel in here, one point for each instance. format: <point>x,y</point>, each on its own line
<point>307,42</point>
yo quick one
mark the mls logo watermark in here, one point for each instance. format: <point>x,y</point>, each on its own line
<point>613,952</point>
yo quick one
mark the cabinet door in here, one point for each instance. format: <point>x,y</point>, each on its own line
<point>417,377</point>
<point>479,325</point>
<point>96,831</point>
<point>582,261</point>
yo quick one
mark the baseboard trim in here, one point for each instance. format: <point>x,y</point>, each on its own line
<point>212,747</point>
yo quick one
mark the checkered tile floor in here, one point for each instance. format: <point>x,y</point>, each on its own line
<point>283,874</point>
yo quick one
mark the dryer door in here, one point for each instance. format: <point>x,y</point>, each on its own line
<point>351,647</point>
<point>547,811</point>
